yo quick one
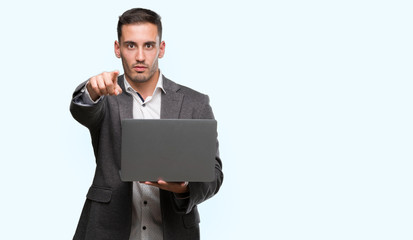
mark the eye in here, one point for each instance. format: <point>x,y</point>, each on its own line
<point>148,46</point>
<point>130,45</point>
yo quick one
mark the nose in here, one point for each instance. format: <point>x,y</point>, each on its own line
<point>140,56</point>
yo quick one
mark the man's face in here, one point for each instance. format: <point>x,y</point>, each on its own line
<point>139,49</point>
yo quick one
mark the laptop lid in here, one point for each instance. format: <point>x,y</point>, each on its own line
<point>173,150</point>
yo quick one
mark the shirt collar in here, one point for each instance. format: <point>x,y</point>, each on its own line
<point>159,84</point>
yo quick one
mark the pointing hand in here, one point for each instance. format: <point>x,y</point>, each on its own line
<point>103,84</point>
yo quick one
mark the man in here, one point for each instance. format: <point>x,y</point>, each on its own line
<point>119,210</point>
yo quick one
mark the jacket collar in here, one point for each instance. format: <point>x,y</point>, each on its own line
<point>171,100</point>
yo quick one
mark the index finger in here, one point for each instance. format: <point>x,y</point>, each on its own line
<point>114,76</point>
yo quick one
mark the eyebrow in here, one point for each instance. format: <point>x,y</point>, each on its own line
<point>134,43</point>
<point>151,43</point>
<point>129,42</point>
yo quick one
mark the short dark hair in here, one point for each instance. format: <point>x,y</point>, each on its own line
<point>139,15</point>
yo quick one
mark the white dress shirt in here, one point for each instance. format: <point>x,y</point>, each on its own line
<point>146,207</point>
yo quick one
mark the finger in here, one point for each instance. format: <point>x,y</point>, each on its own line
<point>153,184</point>
<point>110,89</point>
<point>150,183</point>
<point>162,182</point>
<point>94,89</point>
<point>101,85</point>
<point>114,76</point>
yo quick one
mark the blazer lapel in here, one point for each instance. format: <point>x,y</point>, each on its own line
<point>171,101</point>
<point>125,101</point>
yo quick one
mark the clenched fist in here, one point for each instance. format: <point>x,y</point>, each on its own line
<point>105,83</point>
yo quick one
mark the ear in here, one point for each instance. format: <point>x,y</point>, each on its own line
<point>161,49</point>
<point>117,49</point>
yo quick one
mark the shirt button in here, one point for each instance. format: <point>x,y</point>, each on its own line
<point>145,202</point>
<point>143,105</point>
<point>144,227</point>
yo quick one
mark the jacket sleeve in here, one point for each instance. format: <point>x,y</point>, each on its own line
<point>201,191</point>
<point>89,115</point>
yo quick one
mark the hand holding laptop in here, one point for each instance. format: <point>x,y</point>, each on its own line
<point>175,187</point>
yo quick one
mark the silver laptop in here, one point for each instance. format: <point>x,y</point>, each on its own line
<point>173,150</point>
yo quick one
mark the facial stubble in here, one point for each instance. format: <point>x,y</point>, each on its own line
<point>140,78</point>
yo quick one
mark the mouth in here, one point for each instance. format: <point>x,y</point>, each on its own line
<point>140,68</point>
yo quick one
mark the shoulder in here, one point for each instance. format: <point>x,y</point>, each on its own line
<point>193,103</point>
<point>193,94</point>
<point>188,93</point>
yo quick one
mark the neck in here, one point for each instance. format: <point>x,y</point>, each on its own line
<point>145,89</point>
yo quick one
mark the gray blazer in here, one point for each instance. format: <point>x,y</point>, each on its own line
<point>107,211</point>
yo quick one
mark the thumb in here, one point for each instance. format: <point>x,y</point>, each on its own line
<point>118,89</point>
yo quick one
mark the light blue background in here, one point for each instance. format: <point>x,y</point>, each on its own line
<point>313,100</point>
